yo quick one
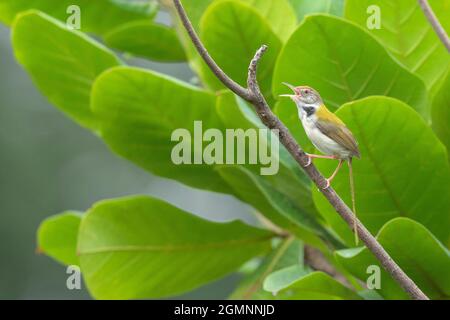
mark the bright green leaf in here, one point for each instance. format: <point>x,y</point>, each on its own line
<point>283,278</point>
<point>403,171</point>
<point>147,39</point>
<point>139,110</point>
<point>57,237</point>
<point>273,205</point>
<point>97,16</point>
<point>344,63</point>
<point>62,63</point>
<point>288,252</point>
<point>141,247</point>
<point>195,10</point>
<point>317,286</point>
<point>406,33</point>
<point>305,7</point>
<point>416,251</point>
<point>278,13</point>
<point>145,7</point>
<point>440,112</point>
<point>232,32</point>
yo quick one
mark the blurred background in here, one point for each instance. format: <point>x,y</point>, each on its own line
<point>48,164</point>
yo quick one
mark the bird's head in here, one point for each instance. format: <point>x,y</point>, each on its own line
<point>306,98</point>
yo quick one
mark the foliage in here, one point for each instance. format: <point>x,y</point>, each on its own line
<point>387,85</point>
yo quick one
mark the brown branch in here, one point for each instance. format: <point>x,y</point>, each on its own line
<point>253,95</point>
<point>316,260</point>
<point>428,11</point>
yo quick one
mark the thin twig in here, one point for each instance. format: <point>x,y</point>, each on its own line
<point>428,11</point>
<point>253,95</point>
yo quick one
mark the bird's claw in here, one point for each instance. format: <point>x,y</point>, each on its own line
<point>327,185</point>
<point>309,161</point>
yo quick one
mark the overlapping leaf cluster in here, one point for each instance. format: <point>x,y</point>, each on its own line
<point>390,86</point>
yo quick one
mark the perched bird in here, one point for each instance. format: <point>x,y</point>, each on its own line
<point>327,133</point>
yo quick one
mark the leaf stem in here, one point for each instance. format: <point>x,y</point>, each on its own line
<point>253,95</point>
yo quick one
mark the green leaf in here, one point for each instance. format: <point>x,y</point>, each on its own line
<point>62,63</point>
<point>407,35</point>
<point>140,110</point>
<point>315,286</point>
<point>441,9</point>
<point>305,7</point>
<point>278,13</point>
<point>416,251</point>
<point>315,56</point>
<point>273,205</point>
<point>232,32</point>
<point>440,112</point>
<point>283,278</point>
<point>57,237</point>
<point>403,170</point>
<point>195,10</point>
<point>97,16</point>
<point>288,252</point>
<point>147,39</point>
<point>141,247</point>
<point>146,7</point>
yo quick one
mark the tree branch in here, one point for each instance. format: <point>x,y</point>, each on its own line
<point>316,260</point>
<point>253,95</point>
<point>428,11</point>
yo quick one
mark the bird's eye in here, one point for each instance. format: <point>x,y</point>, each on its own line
<point>306,91</point>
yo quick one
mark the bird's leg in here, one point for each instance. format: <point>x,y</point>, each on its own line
<point>334,174</point>
<point>318,156</point>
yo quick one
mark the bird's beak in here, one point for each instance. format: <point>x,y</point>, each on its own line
<point>290,86</point>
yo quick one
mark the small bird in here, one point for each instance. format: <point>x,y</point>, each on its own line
<point>327,133</point>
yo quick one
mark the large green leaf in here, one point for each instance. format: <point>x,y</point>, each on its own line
<point>440,112</point>
<point>403,171</point>
<point>57,237</point>
<point>344,63</point>
<point>417,252</point>
<point>147,39</point>
<point>141,247</point>
<point>195,9</point>
<point>275,206</point>
<point>232,32</point>
<point>407,34</point>
<point>284,277</point>
<point>138,112</point>
<point>278,13</point>
<point>96,16</point>
<point>313,286</point>
<point>304,7</point>
<point>288,252</point>
<point>62,63</point>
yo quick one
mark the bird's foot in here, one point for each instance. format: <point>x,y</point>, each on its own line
<point>309,161</point>
<point>327,185</point>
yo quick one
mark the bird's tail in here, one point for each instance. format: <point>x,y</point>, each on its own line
<point>352,190</point>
